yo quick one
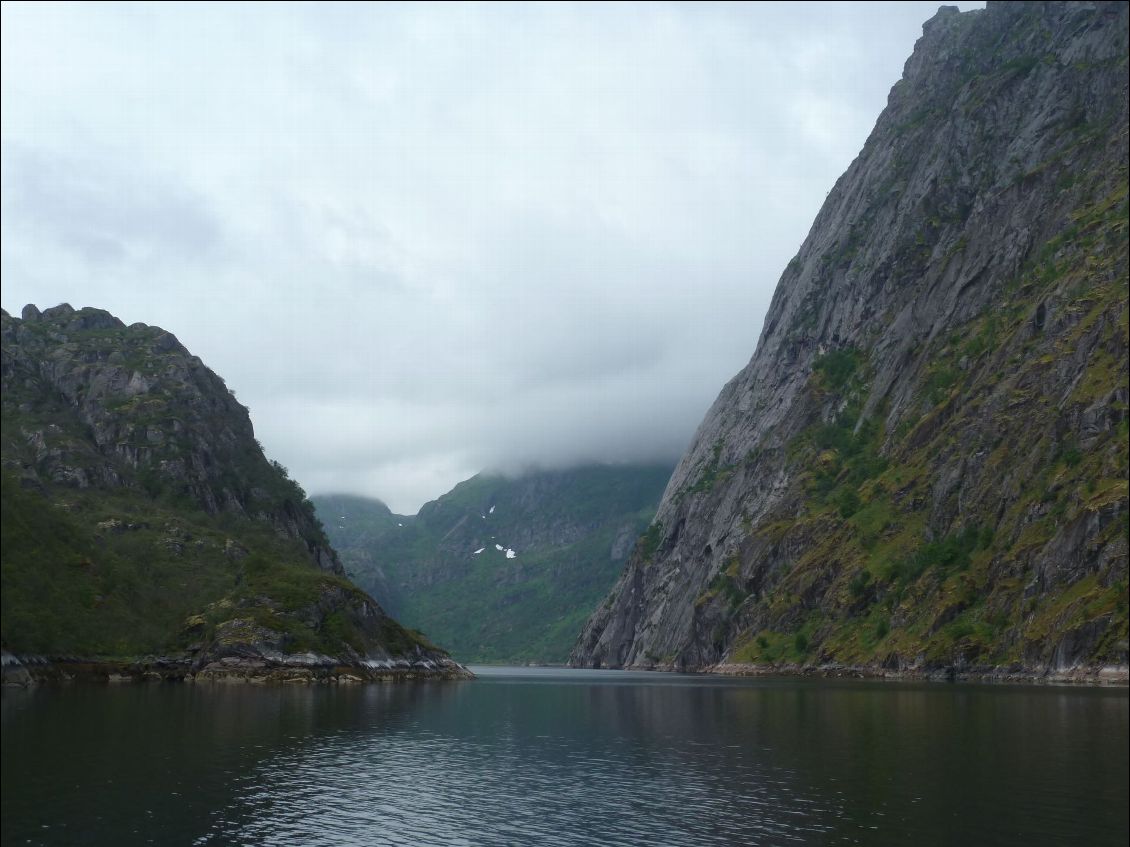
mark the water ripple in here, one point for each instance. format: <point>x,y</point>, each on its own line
<point>552,759</point>
<point>429,788</point>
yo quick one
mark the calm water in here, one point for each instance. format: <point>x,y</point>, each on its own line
<point>554,757</point>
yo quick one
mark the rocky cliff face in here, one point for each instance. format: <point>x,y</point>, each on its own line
<point>103,405</point>
<point>924,464</point>
<point>500,569</point>
<point>141,517</point>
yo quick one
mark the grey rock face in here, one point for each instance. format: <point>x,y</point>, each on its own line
<point>100,404</point>
<point>1007,129</point>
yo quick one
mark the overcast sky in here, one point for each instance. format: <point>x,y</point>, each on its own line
<point>422,241</point>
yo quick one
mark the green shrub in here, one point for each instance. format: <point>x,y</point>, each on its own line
<point>953,552</point>
<point>837,367</point>
<point>847,501</point>
<point>882,628</point>
<point>859,584</point>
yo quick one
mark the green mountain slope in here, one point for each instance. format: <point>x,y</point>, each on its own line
<point>140,518</point>
<point>497,569</point>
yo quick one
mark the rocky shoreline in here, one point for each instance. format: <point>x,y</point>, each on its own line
<point>305,668</point>
<point>1108,675</point>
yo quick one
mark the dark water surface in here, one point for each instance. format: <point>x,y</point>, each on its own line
<point>556,757</point>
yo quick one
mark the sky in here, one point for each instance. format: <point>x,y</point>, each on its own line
<point>421,241</point>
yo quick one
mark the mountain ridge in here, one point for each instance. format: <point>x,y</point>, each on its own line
<point>500,568</point>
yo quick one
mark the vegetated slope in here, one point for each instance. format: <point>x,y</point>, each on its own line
<point>924,465</point>
<point>497,569</point>
<point>361,529</point>
<point>140,517</point>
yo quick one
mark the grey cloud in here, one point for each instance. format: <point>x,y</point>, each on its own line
<point>104,212</point>
<point>424,240</point>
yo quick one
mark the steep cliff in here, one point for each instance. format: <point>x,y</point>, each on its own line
<point>141,518</point>
<point>500,569</point>
<point>924,465</point>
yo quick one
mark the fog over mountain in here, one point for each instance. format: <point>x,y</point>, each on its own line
<point>421,241</point>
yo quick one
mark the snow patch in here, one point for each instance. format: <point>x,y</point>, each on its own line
<point>490,511</point>
<point>510,554</point>
<point>477,552</point>
<point>499,547</point>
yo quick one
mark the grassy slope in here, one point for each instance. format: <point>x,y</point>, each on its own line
<point>73,587</point>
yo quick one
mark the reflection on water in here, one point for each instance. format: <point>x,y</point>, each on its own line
<point>566,757</point>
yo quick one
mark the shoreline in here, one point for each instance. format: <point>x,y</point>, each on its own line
<point>1105,676</point>
<point>1098,676</point>
<point>23,671</point>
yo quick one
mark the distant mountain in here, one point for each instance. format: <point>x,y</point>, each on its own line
<point>497,569</point>
<point>144,532</point>
<point>923,468</point>
<point>363,527</point>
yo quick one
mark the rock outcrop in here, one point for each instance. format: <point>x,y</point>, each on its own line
<point>924,465</point>
<point>142,519</point>
<point>109,406</point>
